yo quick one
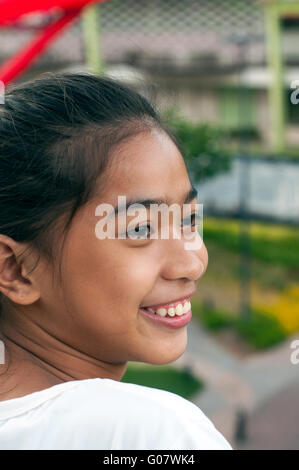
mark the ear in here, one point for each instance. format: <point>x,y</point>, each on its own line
<point>15,282</point>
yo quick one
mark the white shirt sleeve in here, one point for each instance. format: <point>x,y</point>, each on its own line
<point>199,435</point>
<point>183,426</point>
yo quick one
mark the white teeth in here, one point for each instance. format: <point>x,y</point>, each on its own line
<point>178,310</point>
<point>186,307</point>
<point>171,312</point>
<point>162,312</point>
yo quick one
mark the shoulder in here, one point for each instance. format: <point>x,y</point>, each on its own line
<point>103,395</point>
<point>137,417</point>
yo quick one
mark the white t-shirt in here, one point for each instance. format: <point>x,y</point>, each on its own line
<point>104,414</point>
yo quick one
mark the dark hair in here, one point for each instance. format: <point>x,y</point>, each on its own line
<point>56,135</point>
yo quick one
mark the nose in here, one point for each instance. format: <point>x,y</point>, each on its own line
<point>182,263</point>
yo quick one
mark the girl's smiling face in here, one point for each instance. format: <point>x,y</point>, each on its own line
<point>106,281</point>
<point>90,324</point>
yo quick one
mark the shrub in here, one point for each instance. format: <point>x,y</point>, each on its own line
<point>260,330</point>
<point>201,145</point>
<point>286,309</point>
<point>270,243</point>
<point>211,318</point>
<point>181,382</point>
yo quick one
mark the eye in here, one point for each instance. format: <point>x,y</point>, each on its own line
<point>140,232</point>
<point>191,220</point>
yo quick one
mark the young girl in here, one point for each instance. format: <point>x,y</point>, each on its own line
<point>75,305</point>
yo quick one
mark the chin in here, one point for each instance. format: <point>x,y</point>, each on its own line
<point>165,356</point>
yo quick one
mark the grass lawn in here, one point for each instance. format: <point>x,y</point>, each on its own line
<point>163,377</point>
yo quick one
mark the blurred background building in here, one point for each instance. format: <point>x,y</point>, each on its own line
<point>223,73</point>
<point>198,53</point>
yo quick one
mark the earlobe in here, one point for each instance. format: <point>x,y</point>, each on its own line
<point>24,296</point>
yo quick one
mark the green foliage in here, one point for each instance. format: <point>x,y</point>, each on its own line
<point>167,378</point>
<point>269,243</point>
<point>211,318</point>
<point>200,144</point>
<point>260,330</point>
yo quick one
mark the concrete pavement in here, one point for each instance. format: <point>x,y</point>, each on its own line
<point>253,384</point>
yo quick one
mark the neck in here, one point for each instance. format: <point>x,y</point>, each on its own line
<point>35,360</point>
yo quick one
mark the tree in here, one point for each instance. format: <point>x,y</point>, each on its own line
<point>201,146</point>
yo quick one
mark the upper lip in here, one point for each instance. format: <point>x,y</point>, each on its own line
<point>169,302</point>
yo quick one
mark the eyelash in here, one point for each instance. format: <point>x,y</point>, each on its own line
<point>149,225</point>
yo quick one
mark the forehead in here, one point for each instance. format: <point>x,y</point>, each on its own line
<point>148,164</point>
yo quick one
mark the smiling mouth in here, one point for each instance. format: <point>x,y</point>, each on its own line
<point>171,309</point>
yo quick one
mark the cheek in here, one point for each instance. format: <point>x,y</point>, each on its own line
<point>133,280</point>
<point>205,256</point>
<point>107,288</point>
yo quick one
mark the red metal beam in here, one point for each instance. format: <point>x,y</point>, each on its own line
<point>12,9</point>
<point>15,65</point>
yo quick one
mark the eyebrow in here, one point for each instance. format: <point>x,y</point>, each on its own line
<point>192,194</point>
